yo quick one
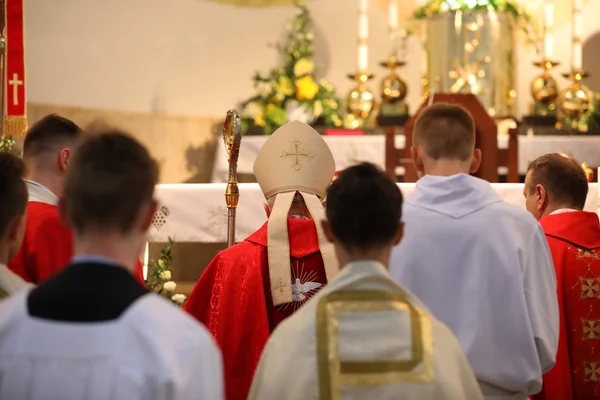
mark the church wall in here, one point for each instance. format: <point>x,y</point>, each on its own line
<point>169,70</point>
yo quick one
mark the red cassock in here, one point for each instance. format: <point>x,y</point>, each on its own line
<point>574,239</point>
<point>47,246</point>
<point>233,298</point>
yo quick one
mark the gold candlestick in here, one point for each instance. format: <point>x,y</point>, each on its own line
<point>393,90</point>
<point>575,103</point>
<point>360,102</point>
<point>544,90</point>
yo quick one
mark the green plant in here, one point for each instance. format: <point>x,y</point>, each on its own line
<point>159,275</point>
<point>292,85</point>
<point>9,145</point>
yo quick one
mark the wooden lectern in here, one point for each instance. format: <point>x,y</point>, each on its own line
<point>486,140</point>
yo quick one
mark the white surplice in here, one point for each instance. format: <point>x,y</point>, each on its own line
<point>40,193</point>
<point>10,282</point>
<point>153,351</point>
<point>482,267</point>
<point>292,369</point>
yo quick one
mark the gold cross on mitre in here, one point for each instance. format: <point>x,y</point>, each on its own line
<point>298,153</point>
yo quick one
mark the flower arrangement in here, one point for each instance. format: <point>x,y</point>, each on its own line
<point>291,91</point>
<point>159,276</point>
<point>9,145</point>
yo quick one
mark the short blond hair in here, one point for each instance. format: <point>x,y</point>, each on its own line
<point>445,131</point>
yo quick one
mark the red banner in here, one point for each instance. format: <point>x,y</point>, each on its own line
<point>15,121</point>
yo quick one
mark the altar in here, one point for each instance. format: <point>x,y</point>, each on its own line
<point>349,150</point>
<point>195,217</point>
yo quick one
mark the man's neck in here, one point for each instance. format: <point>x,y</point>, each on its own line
<point>117,247</point>
<point>446,168</point>
<point>381,256</point>
<point>49,180</point>
<point>553,208</point>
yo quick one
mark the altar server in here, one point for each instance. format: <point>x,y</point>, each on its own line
<point>556,188</point>
<point>13,201</point>
<point>363,336</point>
<point>249,288</point>
<point>481,265</point>
<point>48,244</point>
<point>91,331</point>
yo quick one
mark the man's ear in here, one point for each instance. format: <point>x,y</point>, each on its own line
<point>417,161</point>
<point>327,231</point>
<point>62,208</point>
<point>399,234</point>
<point>148,215</point>
<point>475,161</point>
<point>63,159</point>
<point>541,197</point>
<point>267,210</point>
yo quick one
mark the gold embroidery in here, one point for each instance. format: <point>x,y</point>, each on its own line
<point>334,373</point>
<point>592,371</point>
<point>588,256</point>
<point>299,154</point>
<point>589,288</point>
<point>591,329</point>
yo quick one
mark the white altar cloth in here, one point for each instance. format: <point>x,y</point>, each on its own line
<point>349,150</point>
<point>197,212</point>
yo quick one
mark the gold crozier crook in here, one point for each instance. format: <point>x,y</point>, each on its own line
<point>232,136</point>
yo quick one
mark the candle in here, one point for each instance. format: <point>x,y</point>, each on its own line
<point>393,15</point>
<point>146,260</point>
<point>576,56</point>
<point>363,35</point>
<point>548,30</point>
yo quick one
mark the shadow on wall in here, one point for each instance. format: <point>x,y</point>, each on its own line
<point>591,60</point>
<point>200,159</point>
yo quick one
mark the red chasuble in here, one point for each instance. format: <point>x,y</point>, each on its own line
<point>47,246</point>
<point>574,239</point>
<point>233,298</point>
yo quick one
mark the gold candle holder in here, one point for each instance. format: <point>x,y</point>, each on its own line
<point>393,90</point>
<point>544,90</point>
<point>575,103</point>
<point>360,102</point>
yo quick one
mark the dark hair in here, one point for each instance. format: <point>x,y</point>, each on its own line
<point>111,177</point>
<point>445,131</point>
<point>364,207</point>
<point>562,177</point>
<point>48,134</point>
<point>13,192</point>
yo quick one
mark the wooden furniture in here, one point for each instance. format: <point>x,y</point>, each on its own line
<point>486,140</point>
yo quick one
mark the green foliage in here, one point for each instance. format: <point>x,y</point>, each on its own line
<point>292,84</point>
<point>9,145</point>
<point>159,280</point>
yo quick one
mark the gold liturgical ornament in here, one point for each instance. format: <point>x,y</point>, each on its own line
<point>360,101</point>
<point>575,104</point>
<point>544,90</point>
<point>232,136</point>
<point>393,90</point>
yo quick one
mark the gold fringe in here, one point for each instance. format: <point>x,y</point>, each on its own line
<point>15,126</point>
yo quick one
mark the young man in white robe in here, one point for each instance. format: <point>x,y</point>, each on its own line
<point>480,265</point>
<point>13,203</point>
<point>92,331</point>
<point>363,336</point>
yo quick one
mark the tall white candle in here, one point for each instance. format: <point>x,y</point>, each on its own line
<point>146,260</point>
<point>548,30</point>
<point>577,53</point>
<point>363,35</point>
<point>393,15</point>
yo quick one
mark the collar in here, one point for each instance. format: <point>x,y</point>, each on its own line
<point>580,228</point>
<point>94,259</point>
<point>302,234</point>
<point>365,266</point>
<point>562,210</point>
<point>40,193</point>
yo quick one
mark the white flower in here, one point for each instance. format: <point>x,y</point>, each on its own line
<point>179,298</point>
<point>165,275</point>
<point>169,286</point>
<point>264,88</point>
<point>251,110</point>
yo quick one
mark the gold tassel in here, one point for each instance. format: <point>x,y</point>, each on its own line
<point>15,126</point>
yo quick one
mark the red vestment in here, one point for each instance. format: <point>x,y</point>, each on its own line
<point>47,245</point>
<point>233,298</point>
<point>574,239</point>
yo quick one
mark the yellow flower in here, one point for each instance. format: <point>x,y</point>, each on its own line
<point>285,86</point>
<point>306,88</point>
<point>259,120</point>
<point>303,67</point>
<point>317,109</point>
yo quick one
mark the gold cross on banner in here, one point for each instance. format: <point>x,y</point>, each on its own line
<point>15,83</point>
<point>299,154</point>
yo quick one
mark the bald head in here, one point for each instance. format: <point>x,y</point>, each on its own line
<point>445,131</point>
<point>49,135</point>
<point>563,179</point>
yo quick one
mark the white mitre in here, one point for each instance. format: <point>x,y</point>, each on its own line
<point>294,159</point>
